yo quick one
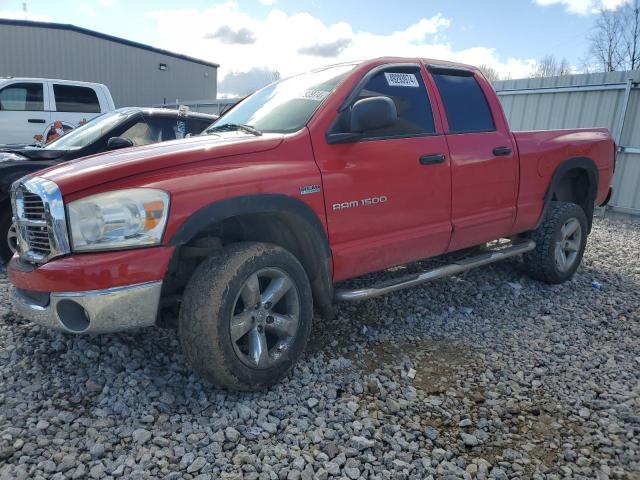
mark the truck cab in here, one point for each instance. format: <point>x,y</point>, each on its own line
<point>39,110</point>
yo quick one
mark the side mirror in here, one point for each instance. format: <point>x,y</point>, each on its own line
<point>366,115</point>
<point>372,113</point>
<point>114,143</point>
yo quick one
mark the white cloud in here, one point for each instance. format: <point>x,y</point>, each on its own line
<point>293,43</point>
<point>268,2</point>
<point>584,7</point>
<point>19,15</point>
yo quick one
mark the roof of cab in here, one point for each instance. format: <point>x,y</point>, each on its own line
<point>60,80</point>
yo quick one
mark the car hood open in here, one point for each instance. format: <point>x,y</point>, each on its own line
<point>90,171</point>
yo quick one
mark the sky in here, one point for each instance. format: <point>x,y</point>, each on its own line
<point>250,38</point>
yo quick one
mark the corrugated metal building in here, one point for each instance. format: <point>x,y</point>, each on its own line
<point>136,74</point>
<point>609,100</point>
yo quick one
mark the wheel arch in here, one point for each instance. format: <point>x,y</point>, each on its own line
<point>575,180</point>
<point>273,218</point>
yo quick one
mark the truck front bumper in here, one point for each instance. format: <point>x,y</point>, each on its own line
<point>96,311</point>
<point>92,293</point>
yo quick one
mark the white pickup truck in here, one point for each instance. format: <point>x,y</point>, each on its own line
<point>39,110</point>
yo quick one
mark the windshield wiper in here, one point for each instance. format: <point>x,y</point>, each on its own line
<point>236,126</point>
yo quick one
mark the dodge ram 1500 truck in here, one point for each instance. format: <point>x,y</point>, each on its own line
<point>312,180</point>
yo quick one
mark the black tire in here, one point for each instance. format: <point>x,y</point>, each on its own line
<point>541,263</point>
<point>210,301</point>
<point>6,218</point>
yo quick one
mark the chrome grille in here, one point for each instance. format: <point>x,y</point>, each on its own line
<point>40,220</point>
<point>33,206</point>
<point>36,229</point>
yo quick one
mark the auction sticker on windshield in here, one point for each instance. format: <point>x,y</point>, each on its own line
<point>401,79</point>
<point>317,95</point>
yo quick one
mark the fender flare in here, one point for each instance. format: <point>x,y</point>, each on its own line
<point>575,163</point>
<point>311,233</point>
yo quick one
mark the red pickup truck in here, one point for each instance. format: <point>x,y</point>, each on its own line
<point>318,178</point>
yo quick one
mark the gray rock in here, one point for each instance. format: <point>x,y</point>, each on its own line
<point>42,425</point>
<point>231,434</point>
<point>352,472</point>
<point>332,468</point>
<point>431,433</point>
<point>97,451</point>
<point>68,462</point>
<point>197,465</point>
<point>141,435</point>
<point>465,423</point>
<point>361,443</point>
<point>469,440</point>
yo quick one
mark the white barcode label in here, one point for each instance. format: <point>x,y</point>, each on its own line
<point>317,95</point>
<point>401,79</point>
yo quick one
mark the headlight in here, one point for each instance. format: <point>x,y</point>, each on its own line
<point>9,156</point>
<point>123,218</point>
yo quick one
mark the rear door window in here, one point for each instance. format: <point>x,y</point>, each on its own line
<point>72,98</point>
<point>407,90</point>
<point>22,97</point>
<point>464,102</point>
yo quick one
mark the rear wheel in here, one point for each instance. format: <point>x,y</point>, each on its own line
<point>246,316</point>
<point>560,243</point>
<point>8,238</point>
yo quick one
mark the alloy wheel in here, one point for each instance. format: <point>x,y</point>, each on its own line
<point>568,246</point>
<point>265,318</point>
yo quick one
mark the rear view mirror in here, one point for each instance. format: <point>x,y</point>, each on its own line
<point>372,114</point>
<point>115,143</point>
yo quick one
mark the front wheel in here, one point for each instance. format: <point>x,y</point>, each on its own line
<point>560,242</point>
<point>246,316</point>
<point>8,237</point>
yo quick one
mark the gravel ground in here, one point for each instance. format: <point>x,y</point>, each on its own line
<point>484,375</point>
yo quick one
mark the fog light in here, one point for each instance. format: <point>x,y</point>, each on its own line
<point>73,316</point>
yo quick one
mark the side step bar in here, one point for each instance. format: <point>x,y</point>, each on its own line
<point>428,275</point>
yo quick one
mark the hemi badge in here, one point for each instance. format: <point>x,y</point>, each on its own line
<point>309,189</point>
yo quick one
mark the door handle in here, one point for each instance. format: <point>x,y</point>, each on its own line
<point>432,159</point>
<point>502,151</point>
<point>36,120</point>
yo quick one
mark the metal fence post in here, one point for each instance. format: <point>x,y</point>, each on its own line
<point>617,136</point>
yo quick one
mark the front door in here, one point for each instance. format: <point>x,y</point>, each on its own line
<point>388,195</point>
<point>23,113</point>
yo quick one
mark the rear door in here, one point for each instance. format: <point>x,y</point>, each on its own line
<point>388,195</point>
<point>73,105</point>
<point>24,112</point>
<point>484,162</point>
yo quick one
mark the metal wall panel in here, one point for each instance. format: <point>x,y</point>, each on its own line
<point>597,101</point>
<point>131,73</point>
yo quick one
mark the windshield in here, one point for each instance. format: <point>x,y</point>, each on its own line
<point>90,131</point>
<point>285,106</point>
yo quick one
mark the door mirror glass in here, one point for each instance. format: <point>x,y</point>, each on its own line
<point>115,143</point>
<point>372,113</point>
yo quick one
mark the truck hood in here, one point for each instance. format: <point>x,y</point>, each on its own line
<point>91,171</point>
